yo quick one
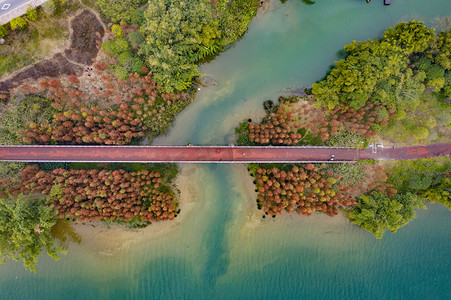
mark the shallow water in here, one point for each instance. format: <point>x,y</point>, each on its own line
<point>222,248</point>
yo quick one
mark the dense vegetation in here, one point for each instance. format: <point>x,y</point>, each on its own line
<point>25,223</point>
<point>33,199</point>
<point>396,87</point>
<point>87,195</point>
<point>414,182</point>
<point>171,37</point>
<point>35,35</point>
<point>98,110</point>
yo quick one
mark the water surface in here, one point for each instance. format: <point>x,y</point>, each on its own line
<point>220,247</point>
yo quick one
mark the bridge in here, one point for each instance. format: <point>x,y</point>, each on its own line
<point>214,154</point>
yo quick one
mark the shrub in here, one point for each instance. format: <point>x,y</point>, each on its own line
<point>424,63</point>
<point>3,30</point>
<point>115,47</point>
<point>19,23</point>
<point>435,76</point>
<point>32,14</point>
<point>118,10</point>
<point>136,38</point>
<point>121,73</point>
<point>116,30</point>
<point>137,17</point>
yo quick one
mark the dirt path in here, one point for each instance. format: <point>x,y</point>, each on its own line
<point>212,154</point>
<point>85,29</point>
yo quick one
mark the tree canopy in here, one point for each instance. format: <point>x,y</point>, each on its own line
<point>413,36</point>
<point>118,10</point>
<point>377,212</point>
<point>355,78</point>
<point>173,32</point>
<point>25,224</point>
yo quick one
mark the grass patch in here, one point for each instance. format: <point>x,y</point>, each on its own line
<point>42,38</point>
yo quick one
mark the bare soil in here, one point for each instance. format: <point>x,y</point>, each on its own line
<point>86,35</point>
<point>86,32</point>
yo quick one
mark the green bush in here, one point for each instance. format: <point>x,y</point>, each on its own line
<point>116,30</point>
<point>3,30</point>
<point>32,14</point>
<point>136,38</point>
<point>345,138</point>
<point>118,10</point>
<point>116,46</point>
<point>18,23</point>
<point>424,63</point>
<point>435,76</point>
<point>137,17</point>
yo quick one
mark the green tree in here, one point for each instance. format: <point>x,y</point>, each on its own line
<point>17,115</point>
<point>435,76</point>
<point>234,18</point>
<point>354,80</point>
<point>116,30</point>
<point>442,49</point>
<point>10,170</point>
<point>377,212</point>
<point>25,225</point>
<point>18,22</point>
<point>32,14</point>
<point>136,38</point>
<point>440,193</point>
<point>413,36</point>
<point>172,32</point>
<point>3,30</point>
<point>118,10</point>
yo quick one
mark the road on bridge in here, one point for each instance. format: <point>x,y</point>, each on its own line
<point>213,154</point>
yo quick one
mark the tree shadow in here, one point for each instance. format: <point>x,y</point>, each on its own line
<point>65,234</point>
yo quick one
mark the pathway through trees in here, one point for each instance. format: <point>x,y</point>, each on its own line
<point>214,154</point>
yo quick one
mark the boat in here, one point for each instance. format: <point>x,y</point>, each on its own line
<point>387,2</point>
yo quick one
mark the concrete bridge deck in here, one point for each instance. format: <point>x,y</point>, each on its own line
<point>213,154</point>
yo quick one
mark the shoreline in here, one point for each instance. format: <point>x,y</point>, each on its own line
<point>110,239</point>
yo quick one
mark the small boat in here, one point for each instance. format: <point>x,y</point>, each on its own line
<point>387,2</point>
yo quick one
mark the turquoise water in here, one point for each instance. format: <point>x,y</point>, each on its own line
<point>220,247</point>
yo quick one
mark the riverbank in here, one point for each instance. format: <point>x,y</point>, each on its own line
<point>111,239</point>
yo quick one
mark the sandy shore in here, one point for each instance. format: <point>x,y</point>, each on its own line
<point>111,239</point>
<point>106,239</point>
<point>254,217</point>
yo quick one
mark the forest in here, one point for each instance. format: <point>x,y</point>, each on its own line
<point>142,73</point>
<point>395,89</point>
<point>140,64</point>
